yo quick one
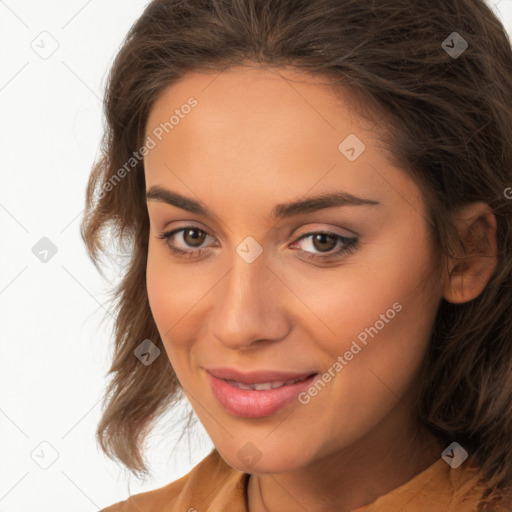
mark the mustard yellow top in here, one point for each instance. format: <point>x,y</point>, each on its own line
<point>214,486</point>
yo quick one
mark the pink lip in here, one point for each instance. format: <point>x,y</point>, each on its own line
<point>249,403</point>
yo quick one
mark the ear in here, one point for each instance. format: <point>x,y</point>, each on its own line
<point>471,269</point>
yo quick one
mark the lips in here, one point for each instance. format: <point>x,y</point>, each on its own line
<point>257,394</point>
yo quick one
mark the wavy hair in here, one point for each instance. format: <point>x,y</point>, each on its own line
<point>449,125</point>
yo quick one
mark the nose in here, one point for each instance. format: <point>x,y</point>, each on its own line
<point>250,305</point>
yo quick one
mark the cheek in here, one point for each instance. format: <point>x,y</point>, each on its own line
<point>366,293</point>
<point>171,287</point>
<point>165,295</point>
<point>159,293</point>
<point>174,292</point>
<point>379,312</point>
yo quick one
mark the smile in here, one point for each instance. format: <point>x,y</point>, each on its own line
<point>257,399</point>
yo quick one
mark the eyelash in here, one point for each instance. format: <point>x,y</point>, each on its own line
<point>350,244</point>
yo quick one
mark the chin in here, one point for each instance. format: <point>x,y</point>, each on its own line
<point>250,459</point>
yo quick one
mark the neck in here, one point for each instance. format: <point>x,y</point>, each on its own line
<point>350,477</point>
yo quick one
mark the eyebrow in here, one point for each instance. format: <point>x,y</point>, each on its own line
<point>280,211</point>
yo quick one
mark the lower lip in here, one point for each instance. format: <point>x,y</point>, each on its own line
<point>251,403</point>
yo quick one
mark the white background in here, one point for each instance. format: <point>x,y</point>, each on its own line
<point>54,351</point>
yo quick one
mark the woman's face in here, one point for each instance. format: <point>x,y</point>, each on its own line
<point>344,292</point>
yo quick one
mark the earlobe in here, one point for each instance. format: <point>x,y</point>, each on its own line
<point>472,267</point>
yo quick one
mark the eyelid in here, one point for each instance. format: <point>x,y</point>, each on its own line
<point>184,224</point>
<point>347,233</point>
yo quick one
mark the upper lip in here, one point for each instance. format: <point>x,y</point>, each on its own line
<point>256,376</point>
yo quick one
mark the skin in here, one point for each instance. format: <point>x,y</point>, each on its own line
<point>259,137</point>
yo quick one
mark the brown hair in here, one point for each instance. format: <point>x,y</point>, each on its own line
<point>451,119</point>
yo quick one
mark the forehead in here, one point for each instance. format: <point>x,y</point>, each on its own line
<point>262,132</point>
<point>265,115</point>
<point>261,94</point>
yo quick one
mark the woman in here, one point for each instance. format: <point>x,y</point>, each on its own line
<point>371,374</point>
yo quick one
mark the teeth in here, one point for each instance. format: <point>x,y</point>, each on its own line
<point>264,386</point>
<point>268,385</point>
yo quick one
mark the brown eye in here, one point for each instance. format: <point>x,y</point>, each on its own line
<point>185,242</point>
<point>321,245</point>
<point>324,242</point>
<point>192,238</point>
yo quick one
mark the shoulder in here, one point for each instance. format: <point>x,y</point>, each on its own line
<point>210,485</point>
<point>439,487</point>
